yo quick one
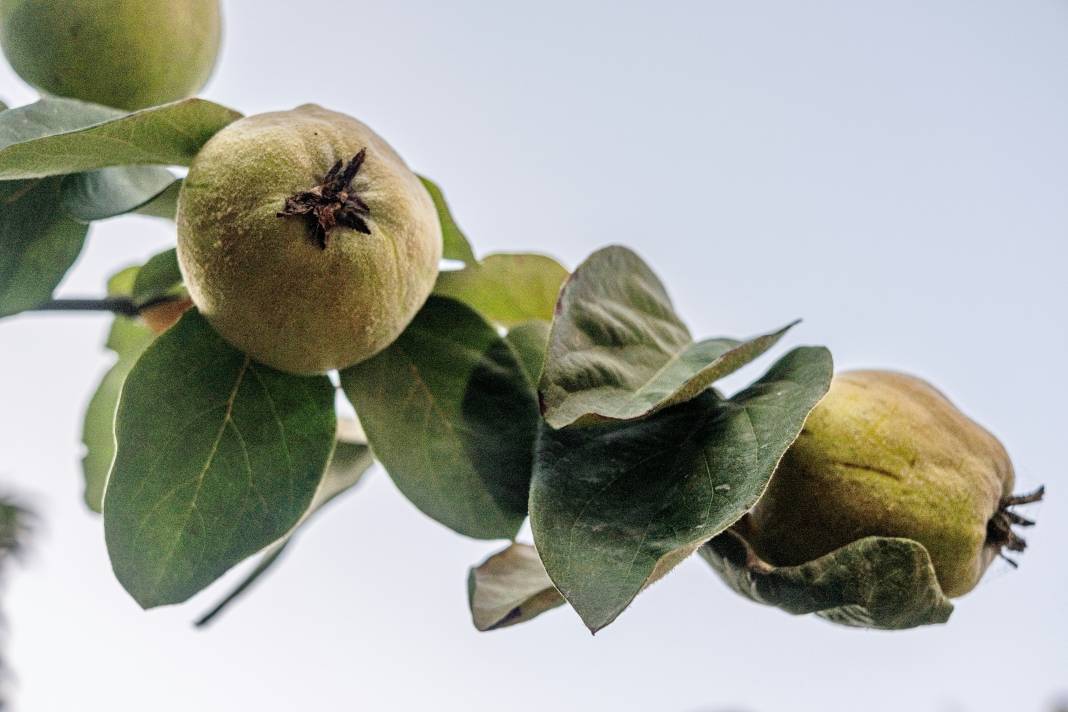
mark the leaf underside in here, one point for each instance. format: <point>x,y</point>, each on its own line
<point>56,136</point>
<point>618,350</point>
<point>114,191</point>
<point>510,587</point>
<point>875,582</point>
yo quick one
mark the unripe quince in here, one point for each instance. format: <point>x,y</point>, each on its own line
<point>305,239</point>
<point>885,454</point>
<point>123,53</point>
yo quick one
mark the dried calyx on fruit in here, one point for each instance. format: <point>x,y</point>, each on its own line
<point>305,239</point>
<point>129,55</point>
<point>886,454</point>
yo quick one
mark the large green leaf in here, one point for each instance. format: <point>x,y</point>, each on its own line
<point>60,136</point>
<point>38,243</point>
<point>507,289</point>
<point>614,506</point>
<point>451,416</point>
<point>217,457</point>
<point>510,587</point>
<point>875,582</point>
<point>347,466</point>
<point>109,192</point>
<point>455,245</point>
<point>618,351</point>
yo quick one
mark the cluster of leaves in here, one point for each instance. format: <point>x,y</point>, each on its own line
<point>580,401</point>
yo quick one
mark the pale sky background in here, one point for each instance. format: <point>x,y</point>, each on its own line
<point>895,173</point>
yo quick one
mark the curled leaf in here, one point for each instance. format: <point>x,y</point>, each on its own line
<point>875,582</point>
<point>510,587</point>
<point>618,350</point>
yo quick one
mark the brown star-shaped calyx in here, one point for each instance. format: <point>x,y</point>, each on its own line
<point>333,202</point>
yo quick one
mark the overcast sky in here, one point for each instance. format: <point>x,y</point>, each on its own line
<point>893,172</point>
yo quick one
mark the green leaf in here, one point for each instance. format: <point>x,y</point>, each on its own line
<point>164,205</point>
<point>616,505</point>
<point>528,341</point>
<point>455,244</point>
<point>60,136</point>
<point>347,467</point>
<point>118,190</point>
<point>38,243</point>
<point>217,457</point>
<point>510,587</point>
<point>452,418</point>
<point>507,289</point>
<point>159,277</point>
<point>128,339</point>
<point>875,582</point>
<point>618,351</point>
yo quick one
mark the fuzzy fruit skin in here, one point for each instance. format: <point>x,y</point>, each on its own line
<point>263,282</point>
<point>128,54</point>
<point>886,454</point>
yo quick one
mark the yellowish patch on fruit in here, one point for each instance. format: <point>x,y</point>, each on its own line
<point>129,54</point>
<point>885,454</point>
<point>268,283</point>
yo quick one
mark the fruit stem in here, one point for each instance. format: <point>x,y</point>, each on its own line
<point>123,306</point>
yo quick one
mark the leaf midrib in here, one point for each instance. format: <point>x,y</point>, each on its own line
<point>209,460</point>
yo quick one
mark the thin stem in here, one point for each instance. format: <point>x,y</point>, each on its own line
<point>116,305</point>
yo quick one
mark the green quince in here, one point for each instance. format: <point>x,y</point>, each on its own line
<point>128,54</point>
<point>305,239</point>
<point>886,454</point>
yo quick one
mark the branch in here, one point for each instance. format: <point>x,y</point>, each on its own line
<point>116,305</point>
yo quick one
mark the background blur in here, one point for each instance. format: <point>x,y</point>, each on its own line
<point>895,173</point>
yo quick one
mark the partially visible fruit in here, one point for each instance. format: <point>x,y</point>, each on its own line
<point>128,54</point>
<point>885,454</point>
<point>165,314</point>
<point>305,239</point>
